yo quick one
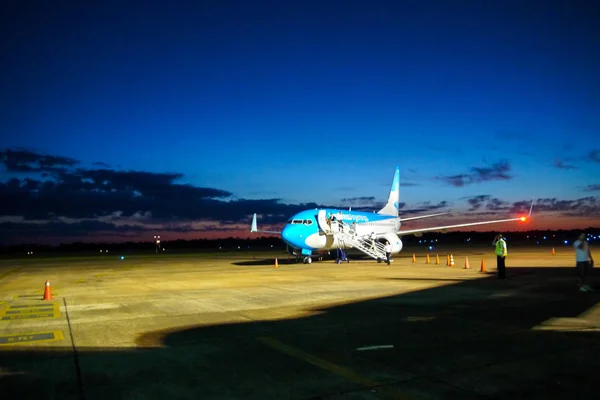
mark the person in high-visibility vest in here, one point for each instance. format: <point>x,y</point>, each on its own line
<point>501,252</point>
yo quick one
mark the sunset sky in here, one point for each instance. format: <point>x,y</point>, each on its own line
<point>125,119</point>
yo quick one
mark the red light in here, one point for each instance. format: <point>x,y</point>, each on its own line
<point>523,219</point>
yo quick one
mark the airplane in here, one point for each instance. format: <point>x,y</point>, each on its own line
<point>312,231</point>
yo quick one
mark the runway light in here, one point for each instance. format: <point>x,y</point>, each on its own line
<point>122,258</point>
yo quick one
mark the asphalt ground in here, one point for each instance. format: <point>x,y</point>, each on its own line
<point>232,325</point>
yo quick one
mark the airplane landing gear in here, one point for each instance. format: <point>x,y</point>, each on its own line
<point>307,260</point>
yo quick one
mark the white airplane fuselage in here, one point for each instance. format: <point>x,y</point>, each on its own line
<point>305,232</point>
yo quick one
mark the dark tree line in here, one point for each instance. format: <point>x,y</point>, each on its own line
<point>542,238</point>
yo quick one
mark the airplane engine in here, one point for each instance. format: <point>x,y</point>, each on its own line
<point>394,241</point>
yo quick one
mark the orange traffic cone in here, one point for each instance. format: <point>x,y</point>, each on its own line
<point>428,261</point>
<point>553,252</point>
<point>414,258</point>
<point>467,266</point>
<point>482,266</point>
<point>437,259</point>
<point>47,292</point>
<point>452,260</point>
<point>276,264</point>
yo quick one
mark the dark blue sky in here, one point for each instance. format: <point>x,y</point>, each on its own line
<point>483,105</point>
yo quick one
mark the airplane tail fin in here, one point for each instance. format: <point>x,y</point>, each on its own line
<point>391,208</point>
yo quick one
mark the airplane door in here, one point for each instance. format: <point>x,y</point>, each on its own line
<point>322,221</point>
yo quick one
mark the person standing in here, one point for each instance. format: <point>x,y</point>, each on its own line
<point>388,252</point>
<point>373,237</point>
<point>501,252</point>
<point>584,261</point>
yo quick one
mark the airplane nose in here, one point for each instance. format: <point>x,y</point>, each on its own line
<point>286,233</point>
<point>290,235</point>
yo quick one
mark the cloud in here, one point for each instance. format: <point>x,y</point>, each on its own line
<point>561,165</point>
<point>476,201</point>
<point>63,191</point>
<point>583,207</point>
<point>21,160</point>
<point>359,200</point>
<point>58,198</point>
<point>595,155</point>
<point>592,188</point>
<point>364,203</point>
<point>424,206</point>
<point>497,171</point>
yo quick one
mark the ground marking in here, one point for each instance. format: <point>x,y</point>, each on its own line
<point>30,311</point>
<point>19,338</point>
<point>382,346</point>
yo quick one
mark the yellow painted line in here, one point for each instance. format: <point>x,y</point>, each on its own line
<point>34,305</point>
<point>30,311</point>
<point>21,338</point>
<point>39,296</point>
<point>27,316</point>
<point>29,296</point>
<point>346,373</point>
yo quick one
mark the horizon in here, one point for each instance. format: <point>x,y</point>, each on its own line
<point>452,235</point>
<point>124,122</point>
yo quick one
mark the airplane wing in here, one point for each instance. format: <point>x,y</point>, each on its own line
<point>253,228</point>
<point>423,216</point>
<point>439,228</point>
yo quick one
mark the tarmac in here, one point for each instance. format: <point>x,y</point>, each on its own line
<point>233,326</point>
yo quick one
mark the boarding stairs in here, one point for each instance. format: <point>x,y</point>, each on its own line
<point>347,237</point>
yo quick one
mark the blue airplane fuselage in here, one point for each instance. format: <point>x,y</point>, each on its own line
<point>302,231</point>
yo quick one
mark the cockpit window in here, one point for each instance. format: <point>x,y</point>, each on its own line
<point>300,222</point>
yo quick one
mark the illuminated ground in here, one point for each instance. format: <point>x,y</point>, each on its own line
<point>221,326</point>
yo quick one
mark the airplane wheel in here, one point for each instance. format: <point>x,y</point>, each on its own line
<point>309,260</point>
<point>379,260</point>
